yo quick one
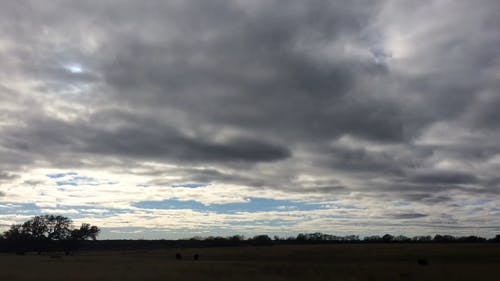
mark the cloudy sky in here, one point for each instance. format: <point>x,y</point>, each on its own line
<point>168,119</point>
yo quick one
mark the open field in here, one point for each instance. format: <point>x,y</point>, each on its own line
<point>370,262</point>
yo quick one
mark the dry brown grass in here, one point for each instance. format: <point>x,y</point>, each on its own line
<point>463,262</point>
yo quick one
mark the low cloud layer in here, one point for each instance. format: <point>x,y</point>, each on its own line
<point>387,107</point>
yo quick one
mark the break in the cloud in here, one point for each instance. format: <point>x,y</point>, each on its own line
<point>180,118</point>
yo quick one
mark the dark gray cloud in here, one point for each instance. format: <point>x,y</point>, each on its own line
<point>255,75</point>
<point>426,197</point>
<point>324,97</point>
<point>409,216</point>
<point>361,160</point>
<point>445,177</point>
<point>213,176</point>
<point>142,138</point>
<point>33,182</point>
<point>136,142</point>
<point>7,176</point>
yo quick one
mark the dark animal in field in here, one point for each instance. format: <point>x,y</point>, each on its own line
<point>196,257</point>
<point>56,256</point>
<point>178,256</point>
<point>21,253</point>
<point>423,262</point>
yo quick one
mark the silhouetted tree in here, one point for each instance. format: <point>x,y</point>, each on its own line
<point>42,232</point>
<point>86,231</point>
<point>301,237</point>
<point>317,236</point>
<point>237,238</point>
<point>496,239</point>
<point>14,233</point>
<point>471,239</point>
<point>46,227</point>
<point>261,240</point>
<point>352,238</point>
<point>422,239</point>
<point>372,239</point>
<point>443,238</point>
<point>387,238</point>
<point>401,238</point>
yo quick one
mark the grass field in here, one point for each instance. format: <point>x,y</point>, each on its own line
<point>386,262</point>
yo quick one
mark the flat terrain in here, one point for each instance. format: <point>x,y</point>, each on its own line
<point>460,262</point>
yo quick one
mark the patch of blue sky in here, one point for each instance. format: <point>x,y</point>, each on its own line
<point>341,206</point>
<point>61,175</point>
<point>75,180</point>
<point>252,205</point>
<point>403,203</point>
<point>85,211</point>
<point>19,208</point>
<point>351,207</point>
<point>170,204</point>
<point>68,182</point>
<point>190,185</point>
<point>476,203</point>
<point>339,217</point>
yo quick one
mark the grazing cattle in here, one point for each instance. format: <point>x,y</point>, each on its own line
<point>178,256</point>
<point>196,257</point>
<point>423,262</point>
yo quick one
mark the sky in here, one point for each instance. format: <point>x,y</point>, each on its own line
<point>181,118</point>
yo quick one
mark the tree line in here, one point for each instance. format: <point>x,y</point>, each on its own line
<point>56,233</point>
<point>322,238</point>
<point>266,240</point>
